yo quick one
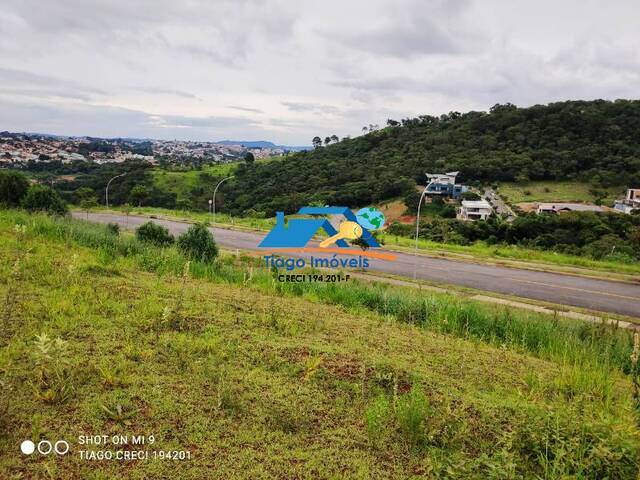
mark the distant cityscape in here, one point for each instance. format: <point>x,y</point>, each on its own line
<point>19,150</point>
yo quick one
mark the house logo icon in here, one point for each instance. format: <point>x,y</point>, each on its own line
<point>298,232</point>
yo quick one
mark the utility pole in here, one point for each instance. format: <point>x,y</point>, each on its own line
<point>213,200</point>
<point>106,192</point>
<point>415,250</point>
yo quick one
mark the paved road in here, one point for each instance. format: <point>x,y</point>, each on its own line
<point>599,295</point>
<point>499,204</point>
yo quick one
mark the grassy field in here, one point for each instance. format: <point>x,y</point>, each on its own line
<point>263,379</point>
<point>181,182</point>
<point>549,191</point>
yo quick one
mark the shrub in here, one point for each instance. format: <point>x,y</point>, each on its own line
<point>13,188</point>
<point>448,211</point>
<point>113,228</point>
<point>402,229</point>
<point>53,370</point>
<point>153,233</point>
<point>470,196</point>
<point>198,243</point>
<point>45,199</point>
<point>607,245</point>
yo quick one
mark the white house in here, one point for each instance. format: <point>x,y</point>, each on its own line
<point>631,201</point>
<point>475,210</point>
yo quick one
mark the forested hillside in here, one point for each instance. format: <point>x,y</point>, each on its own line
<point>592,141</point>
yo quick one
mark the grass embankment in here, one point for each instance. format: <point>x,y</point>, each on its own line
<point>483,251</point>
<point>263,379</point>
<point>182,182</point>
<point>552,191</point>
<point>222,219</point>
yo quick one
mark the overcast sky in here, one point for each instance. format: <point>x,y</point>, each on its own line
<point>288,70</point>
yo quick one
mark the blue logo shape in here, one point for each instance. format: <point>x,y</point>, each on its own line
<point>299,231</point>
<point>370,218</point>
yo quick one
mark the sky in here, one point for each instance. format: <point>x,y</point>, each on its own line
<point>288,70</point>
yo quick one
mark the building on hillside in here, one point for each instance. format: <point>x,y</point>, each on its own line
<point>630,203</point>
<point>444,184</point>
<point>475,210</point>
<point>567,207</point>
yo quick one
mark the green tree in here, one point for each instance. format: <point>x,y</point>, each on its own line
<point>45,199</point>
<point>411,199</point>
<point>598,195</point>
<point>470,196</point>
<point>13,187</point>
<point>139,194</point>
<point>316,142</point>
<point>249,158</point>
<point>88,199</point>
<point>126,209</point>
<point>198,243</point>
<point>153,233</point>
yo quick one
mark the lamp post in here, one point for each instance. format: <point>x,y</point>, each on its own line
<point>415,250</point>
<point>213,200</point>
<point>106,192</point>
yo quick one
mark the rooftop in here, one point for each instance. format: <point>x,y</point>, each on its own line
<point>576,207</point>
<point>476,204</point>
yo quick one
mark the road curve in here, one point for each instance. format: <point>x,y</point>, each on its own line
<point>590,293</point>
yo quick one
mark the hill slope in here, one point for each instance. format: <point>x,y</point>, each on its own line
<point>592,141</point>
<point>265,385</point>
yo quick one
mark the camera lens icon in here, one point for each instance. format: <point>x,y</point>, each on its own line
<point>45,447</point>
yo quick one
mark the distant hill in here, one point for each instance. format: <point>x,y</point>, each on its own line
<point>263,144</point>
<point>590,141</point>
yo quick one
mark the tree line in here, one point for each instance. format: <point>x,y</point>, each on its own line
<point>590,141</point>
<point>601,236</point>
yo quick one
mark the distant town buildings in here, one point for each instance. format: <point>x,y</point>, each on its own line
<point>630,203</point>
<point>444,184</point>
<point>475,210</point>
<point>17,150</point>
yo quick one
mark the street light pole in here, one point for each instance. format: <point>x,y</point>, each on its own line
<point>415,250</point>
<point>213,200</point>
<point>106,192</point>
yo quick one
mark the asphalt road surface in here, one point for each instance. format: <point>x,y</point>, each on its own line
<point>594,294</point>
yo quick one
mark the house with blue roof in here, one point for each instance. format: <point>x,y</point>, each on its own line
<point>444,184</point>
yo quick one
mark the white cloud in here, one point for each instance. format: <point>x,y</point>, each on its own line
<point>288,70</point>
